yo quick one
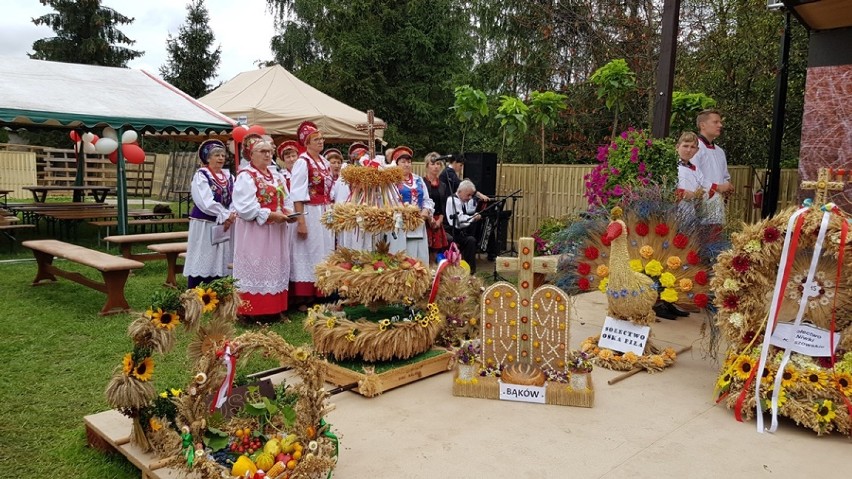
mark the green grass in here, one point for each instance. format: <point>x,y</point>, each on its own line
<point>56,360</point>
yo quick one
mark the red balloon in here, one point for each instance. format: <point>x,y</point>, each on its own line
<point>95,139</point>
<point>133,153</point>
<point>238,134</point>
<point>257,130</point>
<point>75,137</point>
<point>113,157</point>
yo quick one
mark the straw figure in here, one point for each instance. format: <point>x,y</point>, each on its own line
<point>630,295</point>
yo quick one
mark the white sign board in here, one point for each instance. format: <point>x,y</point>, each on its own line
<point>517,392</point>
<point>804,339</point>
<point>624,336</point>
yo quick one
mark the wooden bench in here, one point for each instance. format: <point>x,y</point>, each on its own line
<point>143,223</point>
<point>172,251</point>
<point>114,270</point>
<point>126,242</point>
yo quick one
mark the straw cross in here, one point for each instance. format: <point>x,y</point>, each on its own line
<point>822,186</point>
<point>370,127</point>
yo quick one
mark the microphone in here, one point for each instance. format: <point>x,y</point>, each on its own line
<point>445,157</point>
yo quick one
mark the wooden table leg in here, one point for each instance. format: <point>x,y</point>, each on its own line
<point>114,282</point>
<point>45,263</point>
<point>174,269</point>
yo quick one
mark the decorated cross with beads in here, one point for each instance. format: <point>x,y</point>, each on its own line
<point>370,127</point>
<point>823,185</point>
<point>525,324</point>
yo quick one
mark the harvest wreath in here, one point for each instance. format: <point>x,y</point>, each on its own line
<point>813,391</point>
<point>655,361</point>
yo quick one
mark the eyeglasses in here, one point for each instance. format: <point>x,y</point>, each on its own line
<point>263,152</point>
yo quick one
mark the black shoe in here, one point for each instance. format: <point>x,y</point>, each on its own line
<point>680,312</point>
<point>662,311</point>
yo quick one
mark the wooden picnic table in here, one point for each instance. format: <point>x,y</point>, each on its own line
<point>172,251</point>
<point>184,196</point>
<point>126,243</point>
<point>99,193</point>
<point>3,194</point>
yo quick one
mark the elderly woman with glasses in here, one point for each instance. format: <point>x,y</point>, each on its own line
<point>261,242</point>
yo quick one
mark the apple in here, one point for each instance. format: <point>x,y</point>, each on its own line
<point>347,266</point>
<point>282,457</point>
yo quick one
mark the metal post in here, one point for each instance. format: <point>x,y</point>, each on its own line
<point>121,186</point>
<point>773,173</point>
<point>665,70</point>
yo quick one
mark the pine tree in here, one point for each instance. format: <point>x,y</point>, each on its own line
<point>86,32</point>
<point>191,62</point>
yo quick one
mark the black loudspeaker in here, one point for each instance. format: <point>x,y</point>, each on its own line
<point>481,168</point>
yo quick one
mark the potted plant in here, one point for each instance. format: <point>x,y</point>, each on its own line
<point>466,356</point>
<point>580,366</point>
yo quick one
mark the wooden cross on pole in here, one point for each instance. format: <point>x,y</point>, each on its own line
<point>822,186</point>
<point>370,127</point>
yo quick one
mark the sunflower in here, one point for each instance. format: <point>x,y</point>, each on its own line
<point>144,370</point>
<point>766,403</point>
<point>824,410</point>
<point>209,298</point>
<point>767,376</point>
<point>843,382</point>
<point>165,319</point>
<point>299,354</point>
<point>789,378</point>
<point>724,382</point>
<point>127,364</point>
<point>743,366</point>
<point>816,378</point>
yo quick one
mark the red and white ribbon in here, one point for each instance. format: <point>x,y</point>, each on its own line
<point>230,370</point>
<point>451,257</point>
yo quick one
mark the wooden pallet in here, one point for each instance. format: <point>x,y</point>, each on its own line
<point>341,376</point>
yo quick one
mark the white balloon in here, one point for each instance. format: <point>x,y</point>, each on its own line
<point>78,145</point>
<point>106,145</point>
<point>129,136</point>
<point>109,132</point>
<point>88,137</point>
<point>89,148</point>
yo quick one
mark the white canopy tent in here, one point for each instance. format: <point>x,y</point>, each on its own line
<point>275,99</point>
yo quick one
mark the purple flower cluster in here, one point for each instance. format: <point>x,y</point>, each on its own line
<point>621,166</point>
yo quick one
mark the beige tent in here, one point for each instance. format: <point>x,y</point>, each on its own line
<point>275,99</point>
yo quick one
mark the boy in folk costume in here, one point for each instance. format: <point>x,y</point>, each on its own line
<point>310,189</point>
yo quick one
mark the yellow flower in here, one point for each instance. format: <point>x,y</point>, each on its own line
<point>350,336</point>
<point>669,353</point>
<point>667,280</point>
<point>155,424</point>
<point>653,268</point>
<point>144,370</point>
<point>767,376</point>
<point>208,298</point>
<point>176,392</point>
<point>602,270</point>
<point>685,285</point>
<point>789,378</point>
<point>317,308</point>
<point>752,246</point>
<point>673,262</point>
<point>782,397</point>
<point>636,265</point>
<point>816,378</point>
<point>330,322</point>
<point>165,319</point>
<point>724,381</point>
<point>299,354</point>
<point>164,394</point>
<point>646,251</point>
<point>669,295</point>
<point>602,286</point>
<point>658,360</point>
<point>843,382</point>
<point>824,410</point>
<point>606,354</point>
<point>630,357</point>
<point>743,366</point>
<point>383,324</point>
<point>127,364</point>
<point>731,285</point>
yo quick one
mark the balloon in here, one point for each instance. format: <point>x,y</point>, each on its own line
<point>239,133</point>
<point>257,130</point>
<point>133,153</point>
<point>95,138</point>
<point>439,257</point>
<point>465,266</point>
<point>77,146</point>
<point>89,148</point>
<point>109,132</point>
<point>129,136</point>
<point>113,157</point>
<point>106,145</point>
<point>75,137</point>
<point>88,137</point>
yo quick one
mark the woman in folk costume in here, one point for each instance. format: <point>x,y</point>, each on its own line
<point>413,192</point>
<point>438,192</point>
<point>288,153</point>
<point>212,188</point>
<point>310,188</point>
<point>261,242</point>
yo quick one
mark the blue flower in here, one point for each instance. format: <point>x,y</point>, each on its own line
<point>665,244</point>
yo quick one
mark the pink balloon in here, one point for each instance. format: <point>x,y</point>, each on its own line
<point>133,153</point>
<point>238,134</point>
<point>75,137</point>
<point>257,130</point>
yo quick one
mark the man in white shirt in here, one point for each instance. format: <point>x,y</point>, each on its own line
<point>710,159</point>
<point>460,213</point>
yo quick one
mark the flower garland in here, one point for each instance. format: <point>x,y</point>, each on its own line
<point>656,361</point>
<point>812,393</point>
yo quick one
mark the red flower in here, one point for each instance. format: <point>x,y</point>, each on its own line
<point>741,263</point>
<point>771,235</point>
<point>605,240</point>
<point>680,241</point>
<point>583,284</point>
<point>584,269</point>
<point>591,253</point>
<point>748,336</point>
<point>700,300</point>
<point>661,229</point>
<point>731,302</point>
<point>701,278</point>
<point>693,258</point>
<point>641,229</point>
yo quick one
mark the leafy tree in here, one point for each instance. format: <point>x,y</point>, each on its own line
<point>191,60</point>
<point>512,115</point>
<point>615,81</point>
<point>86,32</point>
<point>471,107</point>
<point>685,108</point>
<point>544,110</point>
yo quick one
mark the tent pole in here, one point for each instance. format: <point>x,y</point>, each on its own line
<point>81,166</point>
<point>121,186</point>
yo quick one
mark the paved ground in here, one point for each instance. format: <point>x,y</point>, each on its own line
<point>664,425</point>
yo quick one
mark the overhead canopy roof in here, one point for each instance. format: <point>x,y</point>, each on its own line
<point>822,14</point>
<point>278,101</point>
<point>68,95</point>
